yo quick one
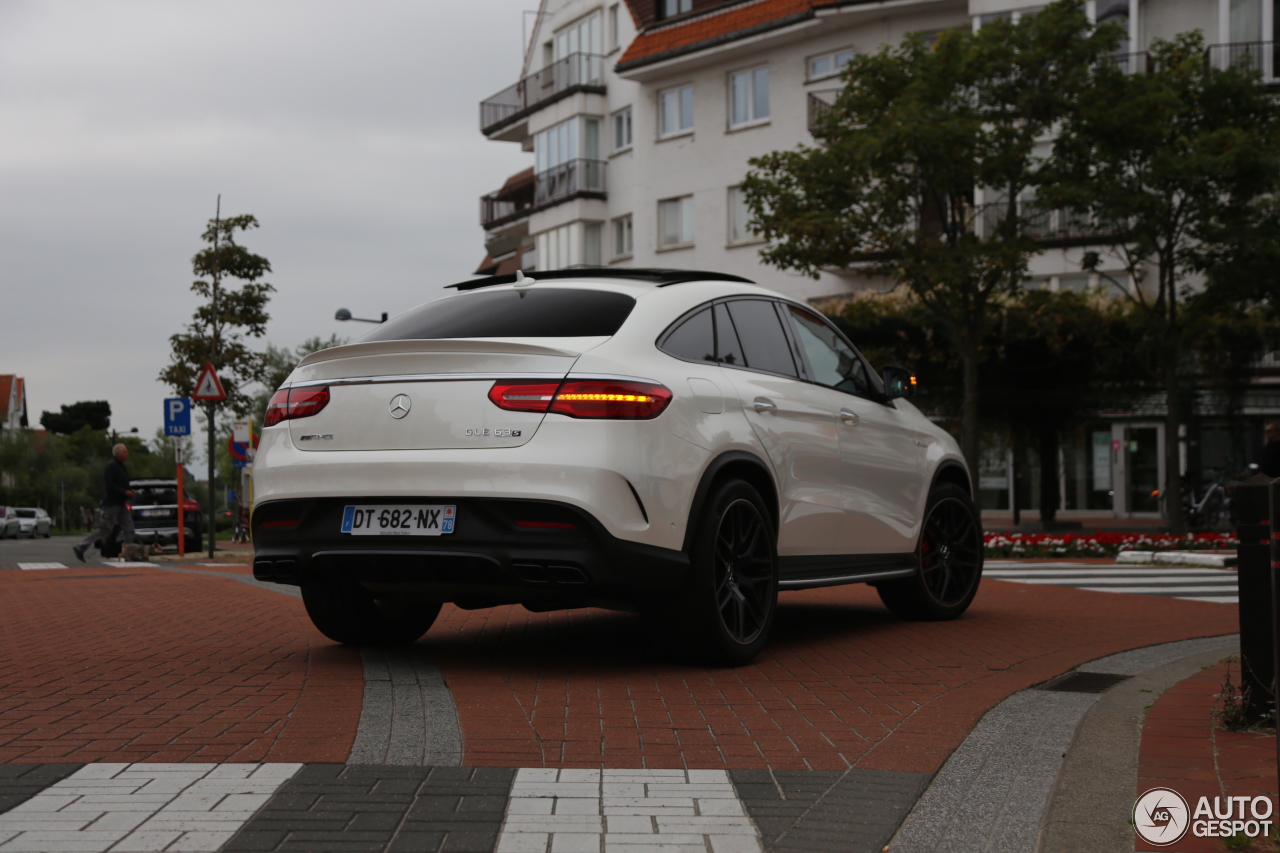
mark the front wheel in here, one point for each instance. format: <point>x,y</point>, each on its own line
<point>728,608</point>
<point>950,555</point>
<point>347,613</point>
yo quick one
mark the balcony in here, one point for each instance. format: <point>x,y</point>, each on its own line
<point>1050,227</point>
<point>819,102</point>
<point>577,72</point>
<point>1259,56</point>
<point>516,200</point>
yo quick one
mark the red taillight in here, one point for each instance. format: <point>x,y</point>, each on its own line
<point>616,399</point>
<point>289,404</point>
<point>610,398</point>
<point>190,506</point>
<point>523,396</point>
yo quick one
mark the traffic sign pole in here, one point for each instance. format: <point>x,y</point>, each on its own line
<point>182,526</point>
<point>209,391</point>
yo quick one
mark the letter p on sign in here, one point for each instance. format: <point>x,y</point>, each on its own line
<point>177,416</point>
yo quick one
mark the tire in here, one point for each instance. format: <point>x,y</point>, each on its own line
<point>347,613</point>
<point>728,607</point>
<point>950,555</point>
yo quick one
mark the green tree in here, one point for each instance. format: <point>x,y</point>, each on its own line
<point>95,414</point>
<point>223,322</point>
<point>916,131</point>
<point>1175,167</point>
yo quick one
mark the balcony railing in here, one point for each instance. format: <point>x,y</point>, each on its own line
<point>575,72</point>
<point>1045,224</point>
<point>572,179</point>
<point>1259,56</point>
<point>1130,63</point>
<point>819,102</point>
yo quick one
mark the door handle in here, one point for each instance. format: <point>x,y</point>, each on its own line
<point>763,404</point>
<point>850,418</point>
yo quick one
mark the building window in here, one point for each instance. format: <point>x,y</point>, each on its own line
<point>613,27</point>
<point>592,237</point>
<point>740,218</point>
<point>748,96</point>
<point>675,111</point>
<point>675,222</point>
<point>671,8</point>
<point>622,129</point>
<point>622,245</point>
<point>582,36</point>
<point>829,64</point>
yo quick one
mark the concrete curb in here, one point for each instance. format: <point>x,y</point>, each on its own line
<point>1099,776</point>
<point>1203,559</point>
<point>996,790</point>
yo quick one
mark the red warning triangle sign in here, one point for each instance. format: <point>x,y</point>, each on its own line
<point>209,386</point>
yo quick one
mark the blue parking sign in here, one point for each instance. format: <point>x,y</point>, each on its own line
<point>177,416</point>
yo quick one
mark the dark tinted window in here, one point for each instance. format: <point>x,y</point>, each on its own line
<point>25,513</point>
<point>760,332</point>
<point>532,313</point>
<point>693,340</point>
<point>728,350</point>
<point>155,497</point>
<point>832,362</point>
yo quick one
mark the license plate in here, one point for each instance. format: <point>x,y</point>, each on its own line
<point>414,520</point>
<point>155,513</point>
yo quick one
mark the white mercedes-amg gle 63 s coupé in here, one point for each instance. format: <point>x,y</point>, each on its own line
<point>680,444</point>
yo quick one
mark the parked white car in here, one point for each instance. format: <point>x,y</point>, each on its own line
<point>9,526</point>
<point>678,443</point>
<point>33,522</point>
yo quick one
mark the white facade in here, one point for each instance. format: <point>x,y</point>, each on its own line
<point>676,182</point>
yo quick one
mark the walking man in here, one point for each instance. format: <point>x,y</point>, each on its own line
<point>116,493</point>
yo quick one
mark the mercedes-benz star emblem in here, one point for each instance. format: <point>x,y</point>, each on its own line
<point>400,404</point>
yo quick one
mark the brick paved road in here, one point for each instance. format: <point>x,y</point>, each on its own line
<point>103,664</point>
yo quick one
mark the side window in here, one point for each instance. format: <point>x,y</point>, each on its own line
<point>692,340</point>
<point>832,362</point>
<point>728,350</point>
<point>763,341</point>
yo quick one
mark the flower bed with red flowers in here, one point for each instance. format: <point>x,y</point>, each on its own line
<point>1101,543</point>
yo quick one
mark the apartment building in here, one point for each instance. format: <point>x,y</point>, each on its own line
<point>640,117</point>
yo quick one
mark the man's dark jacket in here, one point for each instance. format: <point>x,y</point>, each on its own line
<point>115,481</point>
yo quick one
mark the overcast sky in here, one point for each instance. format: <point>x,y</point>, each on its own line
<point>349,129</point>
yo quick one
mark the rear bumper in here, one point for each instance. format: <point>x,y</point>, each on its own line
<point>163,535</point>
<point>489,559</point>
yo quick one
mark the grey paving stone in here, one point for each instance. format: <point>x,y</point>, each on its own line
<point>21,782</point>
<point>371,807</point>
<point>817,811</point>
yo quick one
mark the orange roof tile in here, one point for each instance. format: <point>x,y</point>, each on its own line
<point>723,24</point>
<point>6,388</point>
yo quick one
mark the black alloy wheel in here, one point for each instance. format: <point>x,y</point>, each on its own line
<point>743,571</point>
<point>950,554</point>
<point>724,615</point>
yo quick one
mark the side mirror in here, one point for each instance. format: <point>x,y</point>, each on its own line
<point>898,382</point>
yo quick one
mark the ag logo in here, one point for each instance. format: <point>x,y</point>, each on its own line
<point>1161,816</point>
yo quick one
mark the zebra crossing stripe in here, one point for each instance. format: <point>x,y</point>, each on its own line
<point>27,567</point>
<point>636,810</point>
<point>1191,584</point>
<point>129,808</point>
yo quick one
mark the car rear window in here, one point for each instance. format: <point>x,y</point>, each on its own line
<point>532,313</point>
<point>154,497</point>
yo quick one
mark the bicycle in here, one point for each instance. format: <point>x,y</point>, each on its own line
<point>1211,511</point>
